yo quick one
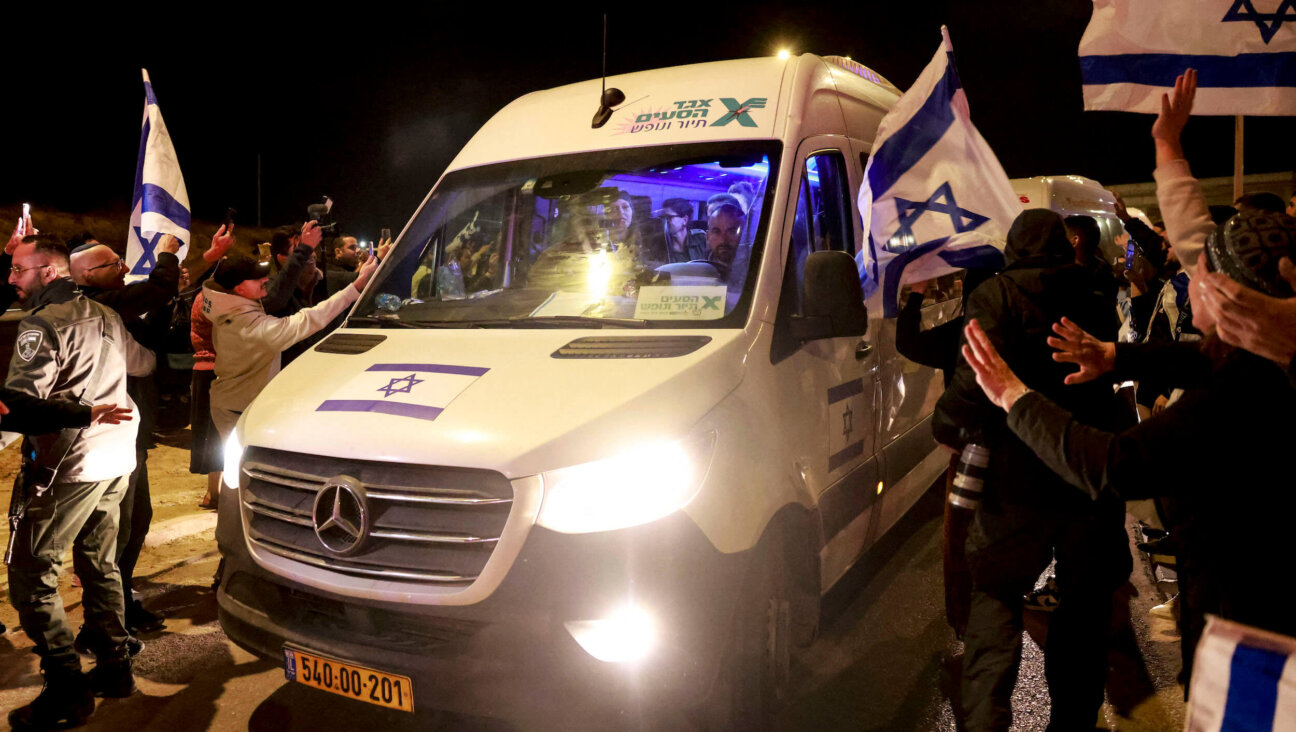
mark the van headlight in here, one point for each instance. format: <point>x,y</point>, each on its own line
<point>233,460</point>
<point>634,487</point>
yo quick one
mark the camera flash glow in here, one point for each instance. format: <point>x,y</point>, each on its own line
<point>784,54</point>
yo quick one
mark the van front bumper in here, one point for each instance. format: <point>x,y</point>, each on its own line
<point>511,654</point>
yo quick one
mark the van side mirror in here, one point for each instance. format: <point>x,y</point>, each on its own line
<point>833,301</point>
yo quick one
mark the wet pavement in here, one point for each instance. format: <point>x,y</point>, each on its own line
<point>881,661</point>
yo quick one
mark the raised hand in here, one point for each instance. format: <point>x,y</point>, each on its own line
<point>366,271</point>
<point>999,383</point>
<point>109,414</point>
<point>1094,357</point>
<point>169,244</point>
<point>1176,108</point>
<point>311,234</point>
<point>1263,325</point>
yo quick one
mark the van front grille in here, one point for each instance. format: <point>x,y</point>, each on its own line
<point>427,523</point>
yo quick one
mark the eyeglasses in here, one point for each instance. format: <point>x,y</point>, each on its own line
<point>115,264</point>
<point>19,270</point>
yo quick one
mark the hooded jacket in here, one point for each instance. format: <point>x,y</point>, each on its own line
<point>57,356</point>
<point>1017,308</point>
<point>248,341</point>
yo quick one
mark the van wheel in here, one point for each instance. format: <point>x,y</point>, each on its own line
<point>754,674</point>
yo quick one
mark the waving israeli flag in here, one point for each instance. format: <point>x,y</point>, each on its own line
<point>1244,52</point>
<point>935,198</point>
<point>160,205</point>
<point>1243,678</point>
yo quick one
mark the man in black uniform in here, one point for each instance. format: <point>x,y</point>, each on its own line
<point>1028,515</point>
<point>72,349</point>
<point>145,307</point>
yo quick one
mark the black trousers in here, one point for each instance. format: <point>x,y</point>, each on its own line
<point>1093,560</point>
<point>136,515</point>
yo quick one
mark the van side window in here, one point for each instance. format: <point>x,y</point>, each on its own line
<point>822,222</point>
<point>829,194</point>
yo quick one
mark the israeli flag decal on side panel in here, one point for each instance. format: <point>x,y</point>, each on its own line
<point>846,423</point>
<point>417,390</point>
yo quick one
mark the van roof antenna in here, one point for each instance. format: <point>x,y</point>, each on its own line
<point>609,98</point>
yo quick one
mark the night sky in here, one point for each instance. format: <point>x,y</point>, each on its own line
<point>370,105</point>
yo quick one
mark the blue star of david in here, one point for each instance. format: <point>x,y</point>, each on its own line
<point>408,385</point>
<point>940,202</point>
<point>147,260</point>
<point>1268,23</point>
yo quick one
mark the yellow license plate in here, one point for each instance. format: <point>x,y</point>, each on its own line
<point>349,680</point>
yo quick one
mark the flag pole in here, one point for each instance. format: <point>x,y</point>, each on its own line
<point>1237,157</point>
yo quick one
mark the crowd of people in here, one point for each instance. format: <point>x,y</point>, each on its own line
<point>1203,320</point>
<point>1202,316</point>
<point>83,390</point>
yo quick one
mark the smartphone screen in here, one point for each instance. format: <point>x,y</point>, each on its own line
<point>1129,255</point>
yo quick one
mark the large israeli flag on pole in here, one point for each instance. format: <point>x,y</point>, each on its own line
<point>1243,678</point>
<point>1244,52</point>
<point>935,198</point>
<point>160,204</point>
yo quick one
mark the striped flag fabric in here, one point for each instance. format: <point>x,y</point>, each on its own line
<point>160,203</point>
<point>1244,678</point>
<point>935,198</point>
<point>413,390</point>
<point>1244,52</point>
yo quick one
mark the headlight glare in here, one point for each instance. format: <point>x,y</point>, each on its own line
<point>233,461</point>
<point>634,487</point>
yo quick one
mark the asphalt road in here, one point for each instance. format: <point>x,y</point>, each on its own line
<point>878,664</point>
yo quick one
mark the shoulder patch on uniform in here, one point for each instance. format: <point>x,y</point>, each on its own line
<point>28,342</point>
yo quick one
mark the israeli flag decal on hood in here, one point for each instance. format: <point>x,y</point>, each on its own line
<point>416,390</point>
<point>935,198</point>
<point>160,203</point>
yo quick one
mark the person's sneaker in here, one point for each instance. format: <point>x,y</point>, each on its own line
<point>112,678</point>
<point>87,644</point>
<point>139,620</point>
<point>65,701</point>
<point>1043,599</point>
<point>1168,610</point>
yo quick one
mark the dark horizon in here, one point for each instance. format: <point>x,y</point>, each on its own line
<point>370,108</point>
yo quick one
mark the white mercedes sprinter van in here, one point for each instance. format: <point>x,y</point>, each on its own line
<point>609,420</point>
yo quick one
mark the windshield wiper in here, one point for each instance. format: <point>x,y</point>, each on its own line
<point>586,321</point>
<point>546,321</point>
<point>393,321</point>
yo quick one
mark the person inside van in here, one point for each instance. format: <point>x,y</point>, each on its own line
<point>683,244</point>
<point>725,220</point>
<point>450,277</point>
<point>619,216</point>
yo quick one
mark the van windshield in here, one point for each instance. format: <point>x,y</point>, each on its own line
<point>641,237</point>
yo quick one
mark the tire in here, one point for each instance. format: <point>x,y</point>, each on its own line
<point>754,674</point>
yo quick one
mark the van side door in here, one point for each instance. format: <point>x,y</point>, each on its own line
<point>826,386</point>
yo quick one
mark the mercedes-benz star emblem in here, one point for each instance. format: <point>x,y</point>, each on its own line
<point>341,515</point>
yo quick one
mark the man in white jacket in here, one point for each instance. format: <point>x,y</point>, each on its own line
<point>248,341</point>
